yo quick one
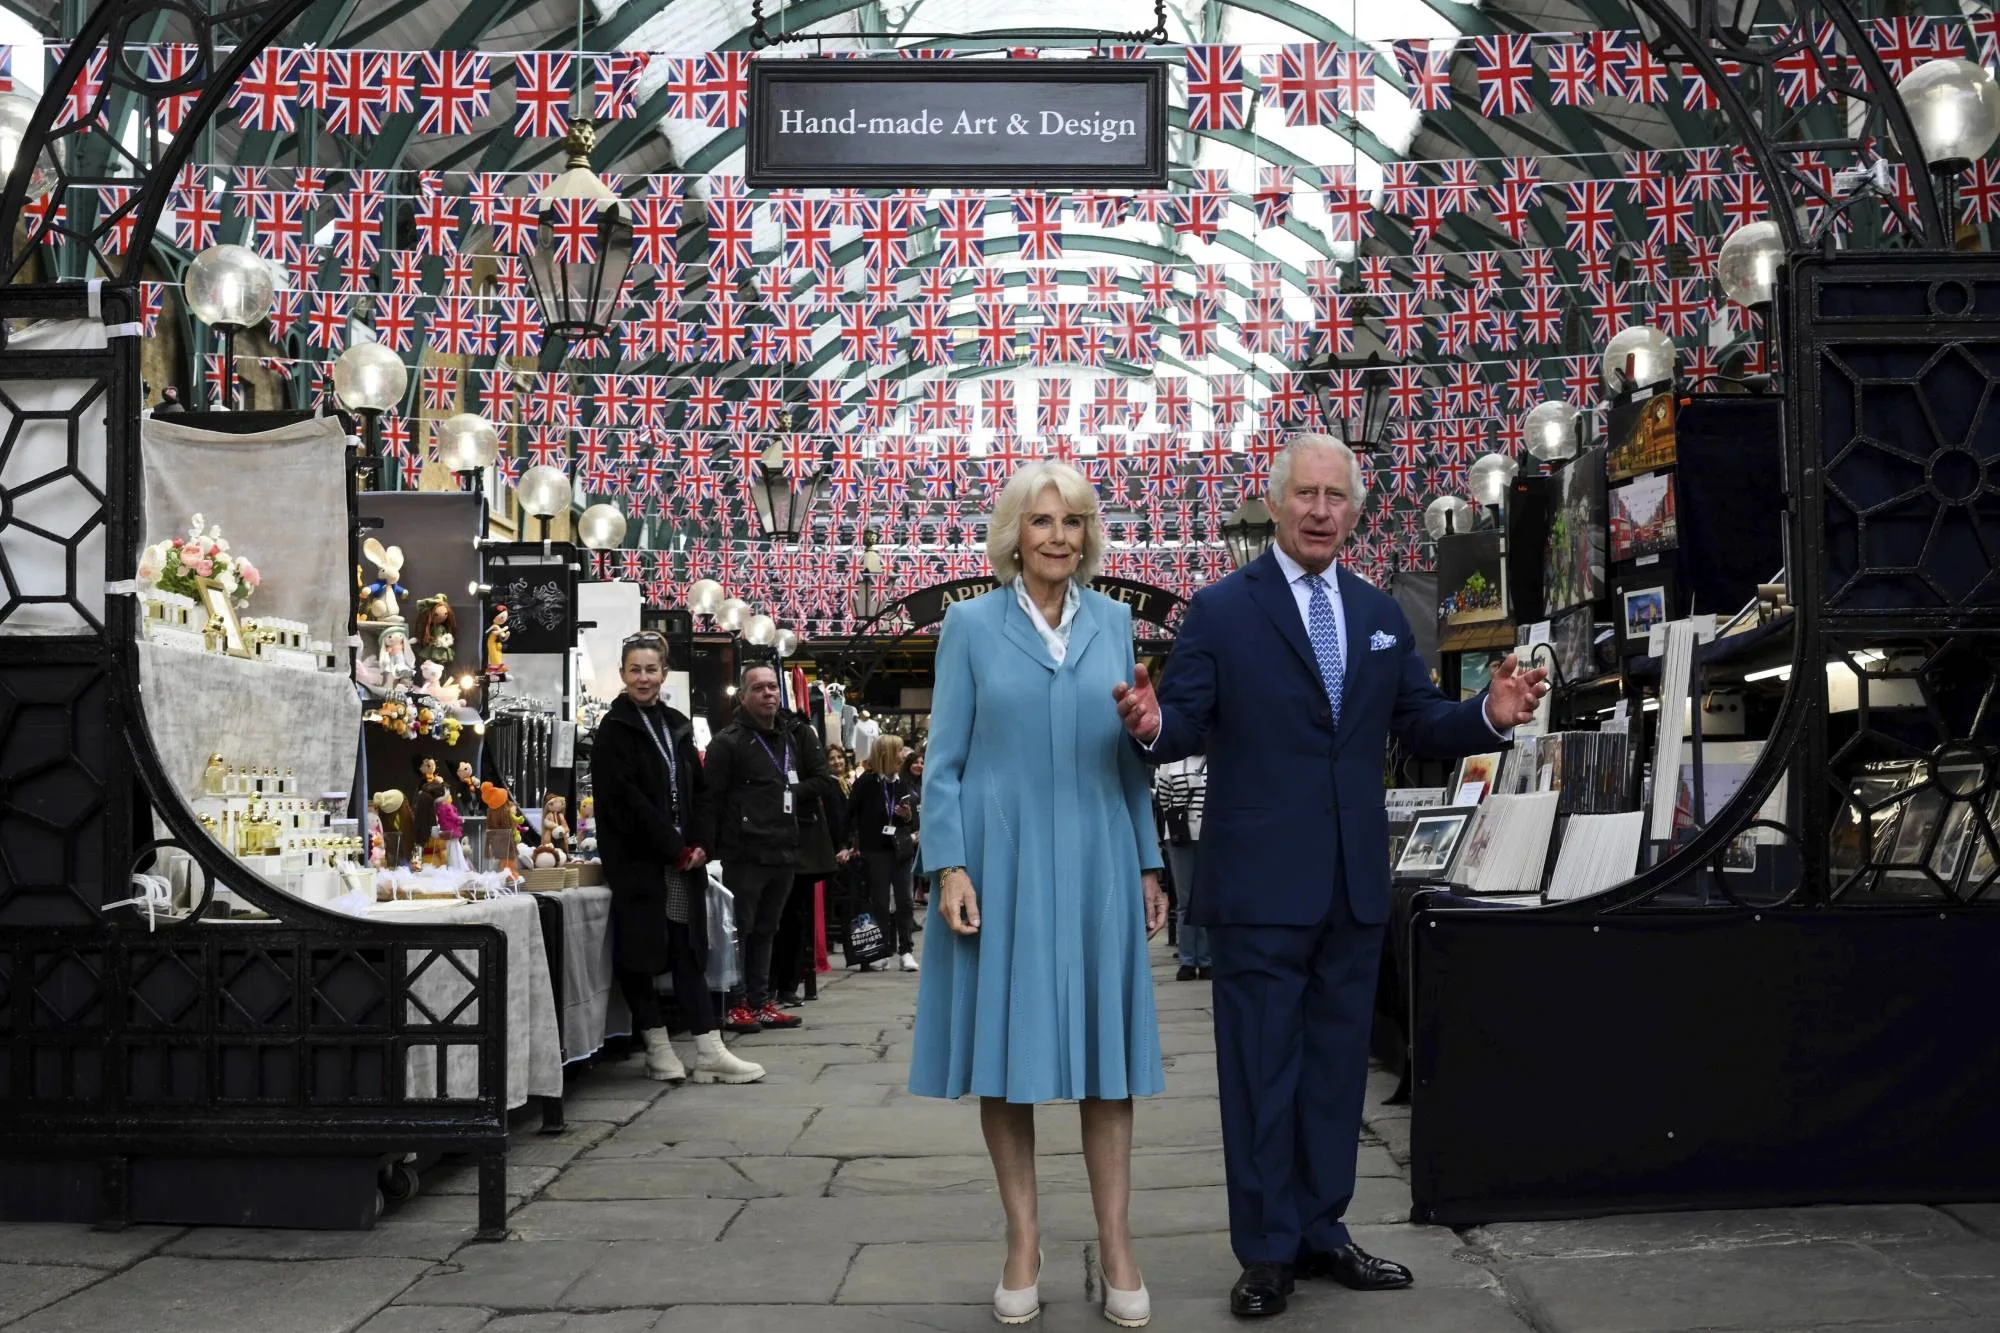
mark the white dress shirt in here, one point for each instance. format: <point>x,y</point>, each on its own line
<point>1055,637</point>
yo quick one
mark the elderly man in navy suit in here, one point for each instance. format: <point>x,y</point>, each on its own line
<point>1290,674</point>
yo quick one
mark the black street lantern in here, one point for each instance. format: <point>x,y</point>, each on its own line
<point>1248,531</point>
<point>783,501</point>
<point>583,249</point>
<point>1354,402</point>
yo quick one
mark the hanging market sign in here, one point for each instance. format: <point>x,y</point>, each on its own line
<point>1027,123</point>
<point>927,606</point>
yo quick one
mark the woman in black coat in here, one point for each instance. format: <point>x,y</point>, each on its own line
<point>881,814</point>
<point>647,780</point>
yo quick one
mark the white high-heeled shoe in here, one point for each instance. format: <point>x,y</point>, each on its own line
<point>1020,1305</point>
<point>1128,1309</point>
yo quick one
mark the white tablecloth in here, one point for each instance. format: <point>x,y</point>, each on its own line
<point>254,715</point>
<point>591,1007</point>
<point>534,1044</point>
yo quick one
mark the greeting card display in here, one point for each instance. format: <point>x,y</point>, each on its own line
<point>1573,571</point>
<point>1642,437</point>
<point>1642,517</point>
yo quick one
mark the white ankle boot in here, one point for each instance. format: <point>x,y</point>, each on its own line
<point>716,1063</point>
<point>661,1062</point>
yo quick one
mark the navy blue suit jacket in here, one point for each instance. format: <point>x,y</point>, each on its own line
<point>1295,810</point>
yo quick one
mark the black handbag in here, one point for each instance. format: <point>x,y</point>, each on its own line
<point>864,943</point>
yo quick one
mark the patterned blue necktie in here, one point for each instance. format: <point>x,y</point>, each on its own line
<point>1324,632</point>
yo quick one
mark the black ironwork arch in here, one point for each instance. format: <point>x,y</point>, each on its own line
<point>129,1039</point>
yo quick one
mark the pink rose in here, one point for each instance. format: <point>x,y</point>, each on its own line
<point>248,573</point>
<point>203,567</point>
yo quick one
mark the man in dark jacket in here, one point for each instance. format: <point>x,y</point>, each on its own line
<point>762,777</point>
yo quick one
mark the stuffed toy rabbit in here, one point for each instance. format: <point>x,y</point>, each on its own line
<point>379,602</point>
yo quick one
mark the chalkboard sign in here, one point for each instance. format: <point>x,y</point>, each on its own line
<point>1030,123</point>
<point>539,593</point>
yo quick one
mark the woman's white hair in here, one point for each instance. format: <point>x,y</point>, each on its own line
<point>1003,530</point>
<point>1281,466</point>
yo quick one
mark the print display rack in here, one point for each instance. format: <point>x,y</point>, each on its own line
<point>172,1069</point>
<point>1639,1050</point>
<point>1679,1048</point>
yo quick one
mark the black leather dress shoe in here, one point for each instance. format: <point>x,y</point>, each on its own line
<point>1186,972</point>
<point>1261,1291</point>
<point>1352,1266</point>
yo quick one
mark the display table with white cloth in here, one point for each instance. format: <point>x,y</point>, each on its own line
<point>534,1041</point>
<point>252,713</point>
<point>588,1002</point>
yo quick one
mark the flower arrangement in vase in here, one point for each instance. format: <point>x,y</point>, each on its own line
<point>183,564</point>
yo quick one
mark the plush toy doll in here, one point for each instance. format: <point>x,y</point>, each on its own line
<point>393,667</point>
<point>451,829</point>
<point>502,830</point>
<point>437,630</point>
<point>497,634</point>
<point>439,686</point>
<point>392,810</point>
<point>555,827</point>
<point>378,599</point>
<point>467,789</point>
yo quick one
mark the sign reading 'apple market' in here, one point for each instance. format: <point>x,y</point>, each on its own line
<point>1043,123</point>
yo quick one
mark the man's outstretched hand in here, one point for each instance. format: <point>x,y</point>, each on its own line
<point>1138,706</point>
<point>1513,693</point>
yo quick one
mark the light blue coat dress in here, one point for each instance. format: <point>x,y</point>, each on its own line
<point>1030,784</point>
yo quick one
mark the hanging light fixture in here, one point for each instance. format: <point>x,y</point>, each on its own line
<point>369,379</point>
<point>1955,107</point>
<point>1637,357</point>
<point>229,288</point>
<point>1746,268</point>
<point>705,597</point>
<point>1550,429</point>
<point>1354,402</point>
<point>1248,531</point>
<point>543,492</point>
<point>783,501</point>
<point>583,248</point>
<point>1447,515</point>
<point>466,442</point>
<point>1489,478</point>
<point>15,113</point>
<point>601,527</point>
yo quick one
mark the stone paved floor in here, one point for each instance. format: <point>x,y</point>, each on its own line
<point>827,1200</point>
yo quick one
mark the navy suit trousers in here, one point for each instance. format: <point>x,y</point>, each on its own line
<point>1293,1008</point>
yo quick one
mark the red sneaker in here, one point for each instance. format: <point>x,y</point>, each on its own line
<point>741,1019</point>
<point>771,1016</point>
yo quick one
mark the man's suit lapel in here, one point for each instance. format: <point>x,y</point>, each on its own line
<point>1270,591</point>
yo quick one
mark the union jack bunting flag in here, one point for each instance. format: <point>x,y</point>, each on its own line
<point>541,94</point>
<point>1218,98</point>
<point>1506,74</point>
<point>1427,71</point>
<point>265,96</point>
<point>455,92</point>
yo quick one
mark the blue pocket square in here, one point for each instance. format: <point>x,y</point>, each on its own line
<point>1381,639</point>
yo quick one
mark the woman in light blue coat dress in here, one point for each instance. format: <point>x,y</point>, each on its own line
<point>1038,826</point>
